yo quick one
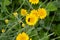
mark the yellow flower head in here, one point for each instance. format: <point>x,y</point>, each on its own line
<point>34,12</point>
<point>31,19</point>
<point>6,21</point>
<point>3,30</point>
<point>34,1</point>
<point>42,13</point>
<point>22,36</point>
<point>15,14</point>
<point>30,38</point>
<point>23,12</point>
<point>23,25</point>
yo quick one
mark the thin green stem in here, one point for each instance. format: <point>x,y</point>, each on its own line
<point>21,5</point>
<point>29,5</point>
<point>43,3</point>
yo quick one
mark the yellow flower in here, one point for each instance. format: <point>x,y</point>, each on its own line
<point>23,12</point>
<point>15,14</point>
<point>31,19</point>
<point>34,12</point>
<point>22,36</point>
<point>6,21</point>
<point>23,25</point>
<point>42,13</point>
<point>34,1</point>
<point>3,30</point>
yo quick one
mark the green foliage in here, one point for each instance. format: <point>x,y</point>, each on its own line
<point>46,29</point>
<point>51,7</point>
<point>56,29</point>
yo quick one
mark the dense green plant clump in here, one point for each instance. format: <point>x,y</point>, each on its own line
<point>29,19</point>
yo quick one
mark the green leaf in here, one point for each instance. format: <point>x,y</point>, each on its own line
<point>56,29</point>
<point>7,2</point>
<point>34,35</point>
<point>0,2</point>
<point>57,3</point>
<point>57,17</point>
<point>4,4</point>
<point>45,37</point>
<point>51,7</point>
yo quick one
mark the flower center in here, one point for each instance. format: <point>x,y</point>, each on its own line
<point>23,38</point>
<point>34,0</point>
<point>31,20</point>
<point>42,13</point>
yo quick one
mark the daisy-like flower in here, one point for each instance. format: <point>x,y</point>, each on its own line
<point>34,12</point>
<point>34,1</point>
<point>22,36</point>
<point>23,12</point>
<point>15,14</point>
<point>31,19</point>
<point>6,21</point>
<point>42,13</point>
<point>3,30</point>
